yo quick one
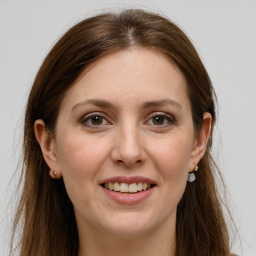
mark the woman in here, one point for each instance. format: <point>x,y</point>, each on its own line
<point>117,142</point>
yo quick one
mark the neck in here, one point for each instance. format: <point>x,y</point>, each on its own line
<point>155,243</point>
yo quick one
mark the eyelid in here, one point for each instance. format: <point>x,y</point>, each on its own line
<point>87,117</point>
<point>170,118</point>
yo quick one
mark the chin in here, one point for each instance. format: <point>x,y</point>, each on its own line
<point>126,226</point>
<point>131,232</point>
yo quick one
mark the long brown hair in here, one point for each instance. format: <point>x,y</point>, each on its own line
<point>45,210</point>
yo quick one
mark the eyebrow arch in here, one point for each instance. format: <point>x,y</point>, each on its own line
<point>149,104</point>
<point>161,103</point>
<point>96,102</point>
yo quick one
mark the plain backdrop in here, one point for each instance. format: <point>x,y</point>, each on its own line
<point>224,33</point>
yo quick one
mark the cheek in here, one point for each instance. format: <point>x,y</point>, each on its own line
<point>172,158</point>
<point>80,155</point>
<point>80,160</point>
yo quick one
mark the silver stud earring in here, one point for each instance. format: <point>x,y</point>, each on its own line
<point>191,175</point>
<point>54,173</point>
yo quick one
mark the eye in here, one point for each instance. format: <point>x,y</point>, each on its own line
<point>94,120</point>
<point>160,119</point>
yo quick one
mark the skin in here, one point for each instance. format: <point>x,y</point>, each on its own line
<point>156,142</point>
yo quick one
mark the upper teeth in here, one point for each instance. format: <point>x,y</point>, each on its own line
<point>124,187</point>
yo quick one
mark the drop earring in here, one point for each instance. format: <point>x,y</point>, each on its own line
<point>191,175</point>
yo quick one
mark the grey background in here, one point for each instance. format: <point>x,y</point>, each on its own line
<point>224,33</point>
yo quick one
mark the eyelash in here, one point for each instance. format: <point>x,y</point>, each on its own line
<point>89,117</point>
<point>168,120</point>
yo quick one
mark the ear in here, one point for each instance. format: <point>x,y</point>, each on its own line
<point>200,141</point>
<point>48,147</point>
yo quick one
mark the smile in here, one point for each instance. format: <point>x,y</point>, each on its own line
<point>127,188</point>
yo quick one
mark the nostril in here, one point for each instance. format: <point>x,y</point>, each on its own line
<point>129,163</point>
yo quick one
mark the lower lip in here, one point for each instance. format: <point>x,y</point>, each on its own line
<point>128,198</point>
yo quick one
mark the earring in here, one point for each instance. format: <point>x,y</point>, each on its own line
<point>54,174</point>
<point>191,175</point>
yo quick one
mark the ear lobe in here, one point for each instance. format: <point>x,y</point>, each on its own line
<point>48,147</point>
<point>201,140</point>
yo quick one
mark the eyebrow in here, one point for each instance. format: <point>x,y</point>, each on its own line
<point>149,104</point>
<point>96,102</point>
<point>162,102</point>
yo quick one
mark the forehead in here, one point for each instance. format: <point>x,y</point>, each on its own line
<point>135,74</point>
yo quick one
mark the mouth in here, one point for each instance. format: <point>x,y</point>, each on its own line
<point>126,188</point>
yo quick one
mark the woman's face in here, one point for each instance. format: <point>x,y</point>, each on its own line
<point>125,143</point>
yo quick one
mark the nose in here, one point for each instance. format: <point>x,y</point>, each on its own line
<point>128,146</point>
